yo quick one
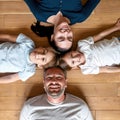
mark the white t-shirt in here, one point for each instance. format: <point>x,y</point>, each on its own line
<point>14,57</point>
<point>102,53</point>
<point>72,108</point>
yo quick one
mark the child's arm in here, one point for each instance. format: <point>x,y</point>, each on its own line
<point>110,69</point>
<point>7,38</point>
<point>9,78</point>
<point>108,31</point>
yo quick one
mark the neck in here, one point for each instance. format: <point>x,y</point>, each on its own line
<point>60,19</point>
<point>56,100</point>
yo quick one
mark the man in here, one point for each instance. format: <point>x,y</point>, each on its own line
<point>55,104</point>
<point>49,12</point>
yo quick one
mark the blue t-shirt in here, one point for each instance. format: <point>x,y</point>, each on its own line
<point>14,57</point>
<point>72,9</point>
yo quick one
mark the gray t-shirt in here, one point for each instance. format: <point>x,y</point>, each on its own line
<point>72,108</point>
<point>14,57</point>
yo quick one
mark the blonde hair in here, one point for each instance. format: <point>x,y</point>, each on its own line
<point>53,60</point>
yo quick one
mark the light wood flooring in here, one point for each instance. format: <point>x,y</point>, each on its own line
<point>101,92</point>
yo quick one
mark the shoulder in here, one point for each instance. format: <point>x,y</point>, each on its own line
<point>79,102</point>
<point>75,98</point>
<point>35,99</point>
<point>88,40</point>
<point>22,38</point>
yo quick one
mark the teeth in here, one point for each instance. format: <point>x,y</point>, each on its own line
<point>54,87</point>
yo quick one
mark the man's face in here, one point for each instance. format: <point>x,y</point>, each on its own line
<point>63,36</point>
<point>54,82</point>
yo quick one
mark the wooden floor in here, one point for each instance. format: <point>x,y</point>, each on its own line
<point>101,92</point>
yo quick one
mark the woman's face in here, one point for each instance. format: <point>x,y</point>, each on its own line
<point>74,58</point>
<point>63,36</point>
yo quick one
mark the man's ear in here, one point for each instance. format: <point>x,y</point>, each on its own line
<point>66,83</point>
<point>40,66</point>
<point>51,38</point>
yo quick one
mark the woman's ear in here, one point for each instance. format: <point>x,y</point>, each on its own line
<point>40,66</point>
<point>51,38</point>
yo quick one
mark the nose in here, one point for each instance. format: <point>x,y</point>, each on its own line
<point>54,80</point>
<point>65,30</point>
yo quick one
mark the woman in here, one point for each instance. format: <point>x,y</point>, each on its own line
<point>69,12</point>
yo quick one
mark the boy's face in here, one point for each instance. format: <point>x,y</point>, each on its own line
<point>41,56</point>
<point>74,58</point>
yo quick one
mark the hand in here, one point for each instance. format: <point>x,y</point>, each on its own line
<point>118,24</point>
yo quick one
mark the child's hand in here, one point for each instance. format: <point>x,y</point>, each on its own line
<point>118,24</point>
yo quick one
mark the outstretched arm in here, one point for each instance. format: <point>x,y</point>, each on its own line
<point>9,78</point>
<point>7,38</point>
<point>108,31</point>
<point>110,69</point>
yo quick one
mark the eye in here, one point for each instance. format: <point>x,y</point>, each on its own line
<point>70,39</point>
<point>60,39</point>
<point>48,78</point>
<point>59,78</point>
<point>73,62</point>
<point>43,59</point>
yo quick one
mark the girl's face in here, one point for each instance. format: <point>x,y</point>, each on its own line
<point>41,56</point>
<point>74,58</point>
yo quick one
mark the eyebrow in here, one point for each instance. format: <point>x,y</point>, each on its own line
<point>55,74</point>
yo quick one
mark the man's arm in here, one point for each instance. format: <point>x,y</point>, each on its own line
<point>109,69</point>
<point>7,38</point>
<point>108,31</point>
<point>9,78</point>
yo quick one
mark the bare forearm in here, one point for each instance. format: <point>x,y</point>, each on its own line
<point>110,69</point>
<point>9,78</point>
<point>104,33</point>
<point>108,31</point>
<point>7,37</point>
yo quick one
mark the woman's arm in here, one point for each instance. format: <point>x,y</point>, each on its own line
<point>87,9</point>
<point>108,31</point>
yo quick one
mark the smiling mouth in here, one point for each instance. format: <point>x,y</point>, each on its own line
<point>54,86</point>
